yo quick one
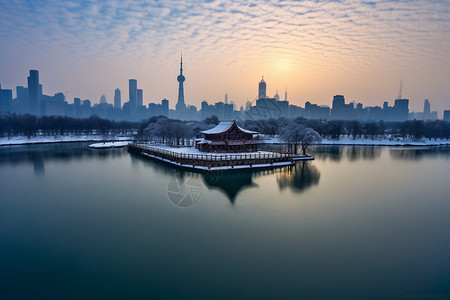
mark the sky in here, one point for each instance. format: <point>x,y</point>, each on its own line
<point>317,49</point>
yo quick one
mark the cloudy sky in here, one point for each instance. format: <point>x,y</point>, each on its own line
<point>361,49</point>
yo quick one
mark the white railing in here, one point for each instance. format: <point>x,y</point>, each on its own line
<point>216,157</point>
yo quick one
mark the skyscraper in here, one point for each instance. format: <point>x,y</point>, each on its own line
<point>140,97</point>
<point>426,110</point>
<point>285,94</point>
<point>165,107</point>
<point>180,104</point>
<point>103,99</point>
<point>262,89</point>
<point>132,88</point>
<point>33,92</point>
<point>401,109</point>
<point>117,99</point>
<point>226,98</point>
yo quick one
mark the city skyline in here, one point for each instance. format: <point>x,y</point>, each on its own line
<point>359,49</point>
<point>32,100</point>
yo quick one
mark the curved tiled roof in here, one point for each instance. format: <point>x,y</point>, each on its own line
<point>224,126</point>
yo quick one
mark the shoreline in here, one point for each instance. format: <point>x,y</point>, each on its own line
<point>371,143</point>
<point>24,141</point>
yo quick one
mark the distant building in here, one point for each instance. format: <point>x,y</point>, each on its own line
<point>5,101</point>
<point>33,92</point>
<point>426,109</point>
<point>447,115</point>
<point>262,89</point>
<point>181,105</point>
<point>103,99</point>
<point>401,110</point>
<point>314,111</point>
<point>132,89</point>
<point>165,107</point>
<point>276,96</point>
<point>117,99</point>
<point>342,111</point>
<point>140,97</point>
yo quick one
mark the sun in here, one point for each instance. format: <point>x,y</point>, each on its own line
<point>283,64</point>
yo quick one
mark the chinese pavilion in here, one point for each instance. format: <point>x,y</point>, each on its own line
<point>227,137</point>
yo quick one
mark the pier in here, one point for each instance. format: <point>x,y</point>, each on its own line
<point>218,161</point>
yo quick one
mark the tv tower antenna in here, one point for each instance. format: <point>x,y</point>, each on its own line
<point>400,90</point>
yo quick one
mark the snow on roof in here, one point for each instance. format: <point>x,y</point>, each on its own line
<point>224,126</point>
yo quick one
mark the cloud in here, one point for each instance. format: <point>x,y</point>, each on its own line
<point>325,36</point>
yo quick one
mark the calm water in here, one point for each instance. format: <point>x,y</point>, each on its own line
<point>356,223</point>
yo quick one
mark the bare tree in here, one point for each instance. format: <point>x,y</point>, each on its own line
<point>298,135</point>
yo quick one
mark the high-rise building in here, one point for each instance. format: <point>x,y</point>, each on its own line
<point>103,99</point>
<point>426,110</point>
<point>262,89</point>
<point>401,109</point>
<point>140,97</point>
<point>447,115</point>
<point>132,88</point>
<point>226,98</point>
<point>117,99</point>
<point>165,107</point>
<point>181,106</point>
<point>5,101</point>
<point>33,92</point>
<point>285,94</point>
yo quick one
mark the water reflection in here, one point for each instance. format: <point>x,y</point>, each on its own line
<point>39,155</point>
<point>299,177</point>
<point>231,183</point>
<point>420,152</point>
<point>351,153</point>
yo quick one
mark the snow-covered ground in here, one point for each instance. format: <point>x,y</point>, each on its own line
<point>23,140</point>
<point>108,145</point>
<point>374,142</point>
<point>192,150</point>
<point>185,152</point>
<point>211,155</point>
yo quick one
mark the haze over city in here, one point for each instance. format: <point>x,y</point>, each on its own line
<point>359,49</point>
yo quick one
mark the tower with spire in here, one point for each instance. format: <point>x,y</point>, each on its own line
<point>180,106</point>
<point>262,89</point>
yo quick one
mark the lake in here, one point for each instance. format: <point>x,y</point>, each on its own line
<point>355,223</point>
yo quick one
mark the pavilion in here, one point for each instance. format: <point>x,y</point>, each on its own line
<point>227,137</point>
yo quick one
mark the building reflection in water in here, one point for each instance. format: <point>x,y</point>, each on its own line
<point>231,183</point>
<point>299,177</point>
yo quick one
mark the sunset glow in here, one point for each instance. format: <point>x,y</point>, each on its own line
<point>318,49</point>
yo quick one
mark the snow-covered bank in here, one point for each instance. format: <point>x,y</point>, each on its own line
<point>375,142</point>
<point>23,140</point>
<point>107,145</point>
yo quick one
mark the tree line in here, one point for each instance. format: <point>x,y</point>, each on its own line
<point>176,132</point>
<point>334,129</point>
<point>30,125</point>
